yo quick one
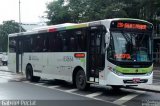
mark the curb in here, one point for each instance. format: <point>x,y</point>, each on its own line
<point>7,71</point>
<point>143,89</point>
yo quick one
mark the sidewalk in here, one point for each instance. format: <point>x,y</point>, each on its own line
<point>150,88</point>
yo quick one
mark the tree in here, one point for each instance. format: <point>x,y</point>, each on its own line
<point>58,12</point>
<point>62,11</point>
<point>115,11</point>
<point>6,28</point>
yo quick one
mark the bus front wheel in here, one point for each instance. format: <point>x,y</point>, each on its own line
<point>29,74</point>
<point>81,81</point>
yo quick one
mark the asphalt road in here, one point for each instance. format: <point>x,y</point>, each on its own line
<point>60,93</point>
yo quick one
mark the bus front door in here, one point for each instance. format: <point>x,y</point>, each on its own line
<point>96,52</point>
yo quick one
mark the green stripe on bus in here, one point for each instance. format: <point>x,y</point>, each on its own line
<point>82,60</point>
<point>134,70</point>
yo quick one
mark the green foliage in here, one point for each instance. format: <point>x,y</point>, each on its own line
<point>58,12</point>
<point>76,11</point>
<point>62,11</point>
<point>6,28</point>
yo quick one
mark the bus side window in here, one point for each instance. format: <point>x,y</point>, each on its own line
<point>45,43</point>
<point>27,41</point>
<point>110,49</point>
<point>80,40</point>
<point>51,39</point>
<point>12,45</point>
<point>72,43</point>
<point>65,37</point>
<point>58,43</point>
<point>37,43</point>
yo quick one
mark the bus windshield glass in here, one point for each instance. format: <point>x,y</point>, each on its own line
<point>130,46</point>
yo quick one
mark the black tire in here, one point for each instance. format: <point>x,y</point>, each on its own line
<point>29,74</point>
<point>81,83</point>
<point>116,87</point>
<point>4,63</point>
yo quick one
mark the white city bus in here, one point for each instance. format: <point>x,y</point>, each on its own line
<point>115,52</point>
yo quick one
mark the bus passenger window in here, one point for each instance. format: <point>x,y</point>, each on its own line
<point>80,40</point>
<point>58,43</point>
<point>27,41</point>
<point>72,45</point>
<point>12,45</point>
<point>52,39</point>
<point>45,43</point>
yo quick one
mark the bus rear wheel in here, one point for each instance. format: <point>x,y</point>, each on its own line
<point>81,83</point>
<point>29,74</point>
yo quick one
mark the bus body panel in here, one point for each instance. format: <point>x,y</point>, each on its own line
<point>12,62</point>
<point>54,65</point>
<point>60,65</point>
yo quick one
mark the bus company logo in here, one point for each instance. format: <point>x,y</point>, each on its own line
<point>67,58</point>
<point>136,70</point>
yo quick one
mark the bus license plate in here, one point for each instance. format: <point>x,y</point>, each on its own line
<point>136,80</point>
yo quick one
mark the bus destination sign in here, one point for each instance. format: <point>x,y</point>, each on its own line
<point>131,26</point>
<point>135,25</point>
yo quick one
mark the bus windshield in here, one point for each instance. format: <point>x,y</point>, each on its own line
<point>130,46</point>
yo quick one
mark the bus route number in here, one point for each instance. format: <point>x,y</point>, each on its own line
<point>67,58</point>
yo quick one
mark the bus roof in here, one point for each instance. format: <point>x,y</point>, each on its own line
<point>52,28</point>
<point>66,26</point>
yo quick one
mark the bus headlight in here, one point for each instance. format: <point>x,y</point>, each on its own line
<point>116,72</point>
<point>149,73</point>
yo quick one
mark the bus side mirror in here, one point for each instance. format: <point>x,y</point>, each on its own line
<point>107,39</point>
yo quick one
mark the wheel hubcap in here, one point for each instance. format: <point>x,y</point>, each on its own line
<point>81,80</point>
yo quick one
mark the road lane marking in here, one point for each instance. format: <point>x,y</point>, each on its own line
<point>2,80</point>
<point>5,77</point>
<point>26,81</point>
<point>71,90</point>
<point>128,97</point>
<point>38,84</point>
<point>8,75</point>
<point>9,78</point>
<point>54,86</point>
<point>125,99</point>
<point>92,95</point>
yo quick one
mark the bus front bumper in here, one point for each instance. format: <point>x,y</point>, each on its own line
<point>114,79</point>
